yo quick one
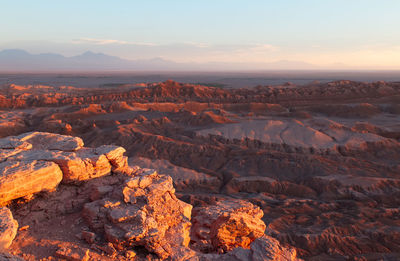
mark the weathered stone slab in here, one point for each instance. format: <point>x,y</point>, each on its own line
<point>51,141</point>
<point>76,166</point>
<point>24,178</point>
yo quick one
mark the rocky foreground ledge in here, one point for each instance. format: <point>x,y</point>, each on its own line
<point>128,213</point>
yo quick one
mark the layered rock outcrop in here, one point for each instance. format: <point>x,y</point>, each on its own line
<point>226,225</point>
<point>142,211</point>
<point>37,161</point>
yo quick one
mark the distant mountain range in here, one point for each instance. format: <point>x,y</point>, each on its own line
<point>16,60</point>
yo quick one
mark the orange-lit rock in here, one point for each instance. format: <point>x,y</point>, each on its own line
<point>76,162</point>
<point>114,154</point>
<point>76,166</point>
<point>73,253</point>
<point>24,178</point>
<point>144,211</point>
<point>8,229</point>
<point>226,225</point>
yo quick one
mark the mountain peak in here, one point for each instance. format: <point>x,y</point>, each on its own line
<point>92,54</point>
<point>14,52</point>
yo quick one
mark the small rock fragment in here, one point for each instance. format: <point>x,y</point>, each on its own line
<point>130,254</point>
<point>89,237</point>
<point>23,228</point>
<point>109,249</point>
<point>73,253</point>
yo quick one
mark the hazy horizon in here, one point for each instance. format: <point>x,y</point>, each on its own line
<point>21,61</point>
<point>220,79</point>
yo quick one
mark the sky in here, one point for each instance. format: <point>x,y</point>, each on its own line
<point>328,33</point>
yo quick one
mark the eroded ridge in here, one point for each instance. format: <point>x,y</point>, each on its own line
<point>320,160</point>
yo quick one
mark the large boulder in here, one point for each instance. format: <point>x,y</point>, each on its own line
<point>226,225</point>
<point>8,228</point>
<point>264,248</point>
<point>142,211</point>
<point>24,178</point>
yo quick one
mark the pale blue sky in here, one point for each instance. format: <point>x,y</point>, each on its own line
<point>352,32</point>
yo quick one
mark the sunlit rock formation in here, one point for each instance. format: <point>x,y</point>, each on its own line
<point>127,212</point>
<point>227,225</point>
<point>142,211</point>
